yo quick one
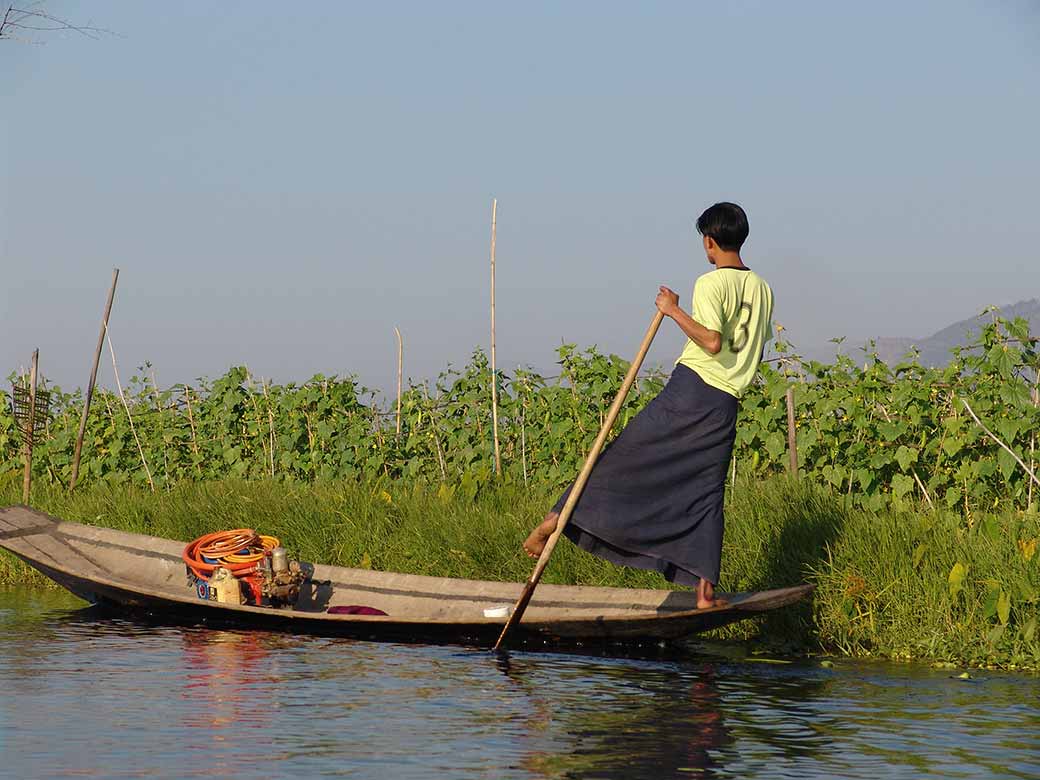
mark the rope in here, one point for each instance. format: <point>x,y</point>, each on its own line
<point>239,551</point>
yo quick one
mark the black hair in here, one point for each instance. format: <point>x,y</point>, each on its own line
<point>726,223</point>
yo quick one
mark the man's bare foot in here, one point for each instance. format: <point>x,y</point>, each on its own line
<point>535,543</point>
<point>706,596</point>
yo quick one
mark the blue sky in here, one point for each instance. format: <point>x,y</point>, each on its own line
<point>282,185</point>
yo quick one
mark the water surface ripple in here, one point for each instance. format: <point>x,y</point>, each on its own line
<point>88,695</point>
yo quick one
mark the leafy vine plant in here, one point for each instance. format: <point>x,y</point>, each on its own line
<point>879,435</point>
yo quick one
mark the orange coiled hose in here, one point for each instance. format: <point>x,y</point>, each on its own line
<point>266,543</point>
<point>240,551</point>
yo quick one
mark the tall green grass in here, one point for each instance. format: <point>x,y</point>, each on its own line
<point>897,584</point>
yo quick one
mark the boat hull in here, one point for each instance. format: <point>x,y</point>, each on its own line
<point>143,575</point>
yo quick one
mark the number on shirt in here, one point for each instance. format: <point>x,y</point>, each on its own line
<point>740,336</point>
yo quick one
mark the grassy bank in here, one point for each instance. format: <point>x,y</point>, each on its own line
<point>898,584</point>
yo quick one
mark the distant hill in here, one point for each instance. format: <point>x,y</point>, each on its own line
<point>935,349</point>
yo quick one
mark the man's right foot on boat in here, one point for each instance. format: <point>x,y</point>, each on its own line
<point>706,596</point>
<point>535,542</point>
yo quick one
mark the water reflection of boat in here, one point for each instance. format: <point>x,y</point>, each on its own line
<point>145,574</point>
<point>225,681</point>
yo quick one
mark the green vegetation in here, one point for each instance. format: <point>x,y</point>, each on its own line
<point>880,436</point>
<point>917,526</point>
<point>895,583</point>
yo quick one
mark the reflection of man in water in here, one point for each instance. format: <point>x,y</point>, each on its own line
<point>674,729</point>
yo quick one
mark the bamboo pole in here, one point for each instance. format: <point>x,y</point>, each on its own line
<point>93,380</point>
<point>1035,397</point>
<point>579,483</point>
<point>523,425</point>
<point>191,422</point>
<point>400,372</point>
<point>917,478</point>
<point>162,429</point>
<point>1032,465</point>
<point>30,429</point>
<point>1006,448</point>
<point>130,417</point>
<point>270,420</point>
<point>435,434</point>
<point>256,414</point>
<point>792,437</point>
<point>494,373</point>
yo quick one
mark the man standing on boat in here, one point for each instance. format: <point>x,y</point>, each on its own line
<point>654,499</point>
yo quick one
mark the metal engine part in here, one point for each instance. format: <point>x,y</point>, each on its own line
<point>283,579</point>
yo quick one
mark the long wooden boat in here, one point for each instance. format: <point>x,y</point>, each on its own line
<point>146,575</point>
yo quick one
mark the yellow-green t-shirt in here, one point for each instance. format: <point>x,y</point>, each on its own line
<point>739,305</point>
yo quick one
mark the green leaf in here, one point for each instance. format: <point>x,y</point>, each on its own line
<point>1018,328</point>
<point>1006,462</point>
<point>984,468</point>
<point>919,552</point>
<point>952,445</point>
<point>775,445</point>
<point>1008,429</point>
<point>956,578</point>
<point>989,606</point>
<point>1004,607</point>
<point>902,485</point>
<point>906,456</point>
<point>990,528</point>
<point>1029,629</point>
<point>890,431</point>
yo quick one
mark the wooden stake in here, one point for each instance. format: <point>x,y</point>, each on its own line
<point>256,412</point>
<point>191,422</point>
<point>792,439</point>
<point>1035,395</point>
<point>1006,448</point>
<point>917,479</point>
<point>93,380</point>
<point>435,434</point>
<point>400,372</point>
<point>270,420</point>
<point>162,430</point>
<point>494,373</point>
<point>30,430</point>
<point>1032,465</point>
<point>130,417</point>
<point>523,427</point>
<point>579,483</point>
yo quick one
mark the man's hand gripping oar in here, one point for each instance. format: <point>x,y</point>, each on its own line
<point>579,483</point>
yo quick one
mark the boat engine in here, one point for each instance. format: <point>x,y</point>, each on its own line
<point>243,567</point>
<point>282,579</point>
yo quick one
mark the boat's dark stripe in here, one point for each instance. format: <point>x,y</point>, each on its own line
<point>36,529</point>
<point>117,546</point>
<point>63,539</point>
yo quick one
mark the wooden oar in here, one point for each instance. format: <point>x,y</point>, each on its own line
<point>579,483</point>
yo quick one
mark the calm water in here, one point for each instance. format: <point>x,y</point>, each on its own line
<point>85,695</point>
